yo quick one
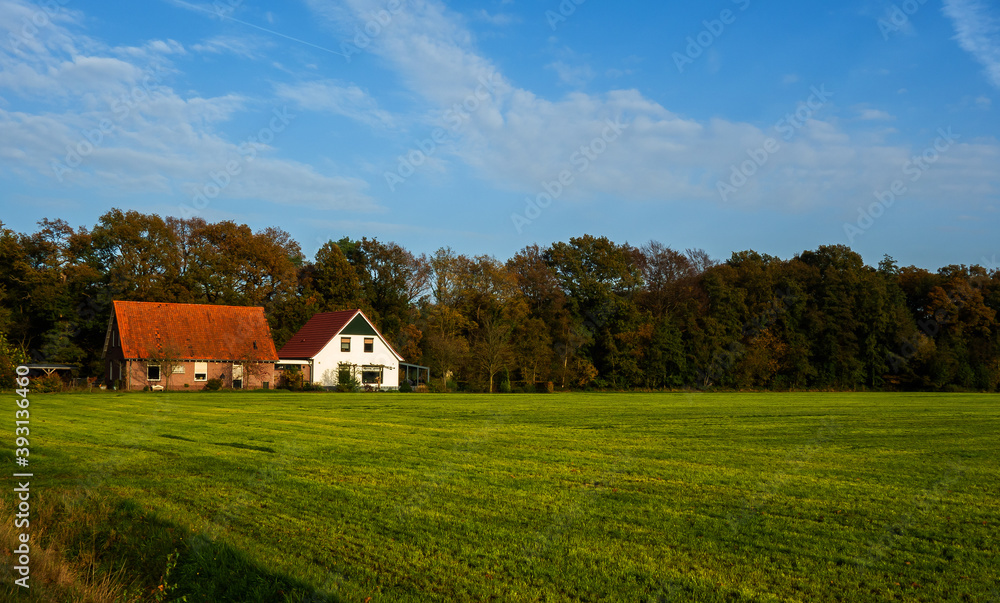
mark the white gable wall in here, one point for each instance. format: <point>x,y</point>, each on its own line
<point>330,357</point>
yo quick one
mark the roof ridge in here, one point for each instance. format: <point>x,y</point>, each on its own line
<point>128,301</point>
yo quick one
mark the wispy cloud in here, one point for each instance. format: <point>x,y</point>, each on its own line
<point>517,140</point>
<point>866,114</point>
<point>337,98</point>
<point>226,14</point>
<point>499,19</point>
<point>572,76</point>
<point>241,46</point>
<point>977,27</point>
<point>91,117</point>
<point>154,47</point>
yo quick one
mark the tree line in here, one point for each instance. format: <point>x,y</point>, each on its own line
<point>587,313</point>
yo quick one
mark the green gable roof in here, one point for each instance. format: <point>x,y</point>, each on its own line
<point>358,326</point>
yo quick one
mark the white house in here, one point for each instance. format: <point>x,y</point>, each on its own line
<point>336,341</point>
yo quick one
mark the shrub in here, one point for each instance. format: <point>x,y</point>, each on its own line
<point>47,384</point>
<point>10,359</point>
<point>213,385</point>
<point>8,374</point>
<point>405,387</point>
<point>292,379</point>
<point>546,387</point>
<point>349,385</point>
<point>505,387</point>
<point>346,381</point>
<point>452,385</point>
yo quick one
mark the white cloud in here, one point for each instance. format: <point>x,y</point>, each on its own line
<point>499,19</point>
<point>218,9</point>
<point>83,74</point>
<point>572,76</point>
<point>241,46</point>
<point>27,29</point>
<point>519,140</point>
<point>977,28</point>
<point>112,124</point>
<point>154,47</point>
<point>866,114</point>
<point>334,97</point>
<point>618,73</point>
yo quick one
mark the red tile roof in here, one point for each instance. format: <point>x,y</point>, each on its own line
<point>319,331</point>
<point>193,331</point>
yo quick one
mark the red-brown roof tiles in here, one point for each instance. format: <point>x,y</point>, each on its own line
<point>319,331</point>
<point>315,334</point>
<point>194,332</point>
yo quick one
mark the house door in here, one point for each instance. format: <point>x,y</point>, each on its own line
<point>237,376</point>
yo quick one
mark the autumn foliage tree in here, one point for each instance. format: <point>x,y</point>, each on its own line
<point>587,312</point>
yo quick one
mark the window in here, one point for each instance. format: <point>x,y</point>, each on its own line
<point>153,372</point>
<point>369,344</point>
<point>178,370</point>
<point>201,371</point>
<point>371,377</point>
<point>345,344</point>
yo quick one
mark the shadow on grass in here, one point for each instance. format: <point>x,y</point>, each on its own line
<point>247,447</point>
<point>173,437</point>
<point>98,548</point>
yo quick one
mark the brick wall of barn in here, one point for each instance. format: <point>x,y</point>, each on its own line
<point>135,375</point>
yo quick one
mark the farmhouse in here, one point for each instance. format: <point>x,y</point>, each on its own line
<point>178,346</point>
<point>335,342</point>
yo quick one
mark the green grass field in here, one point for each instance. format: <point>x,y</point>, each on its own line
<point>579,497</point>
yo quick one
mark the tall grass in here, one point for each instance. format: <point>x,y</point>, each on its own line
<point>72,555</point>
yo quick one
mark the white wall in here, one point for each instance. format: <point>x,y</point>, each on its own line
<point>330,358</point>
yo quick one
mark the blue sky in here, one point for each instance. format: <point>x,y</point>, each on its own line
<point>487,126</point>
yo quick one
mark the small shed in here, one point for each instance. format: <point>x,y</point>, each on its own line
<point>48,369</point>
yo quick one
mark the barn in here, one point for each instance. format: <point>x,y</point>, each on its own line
<point>333,342</point>
<point>182,346</point>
